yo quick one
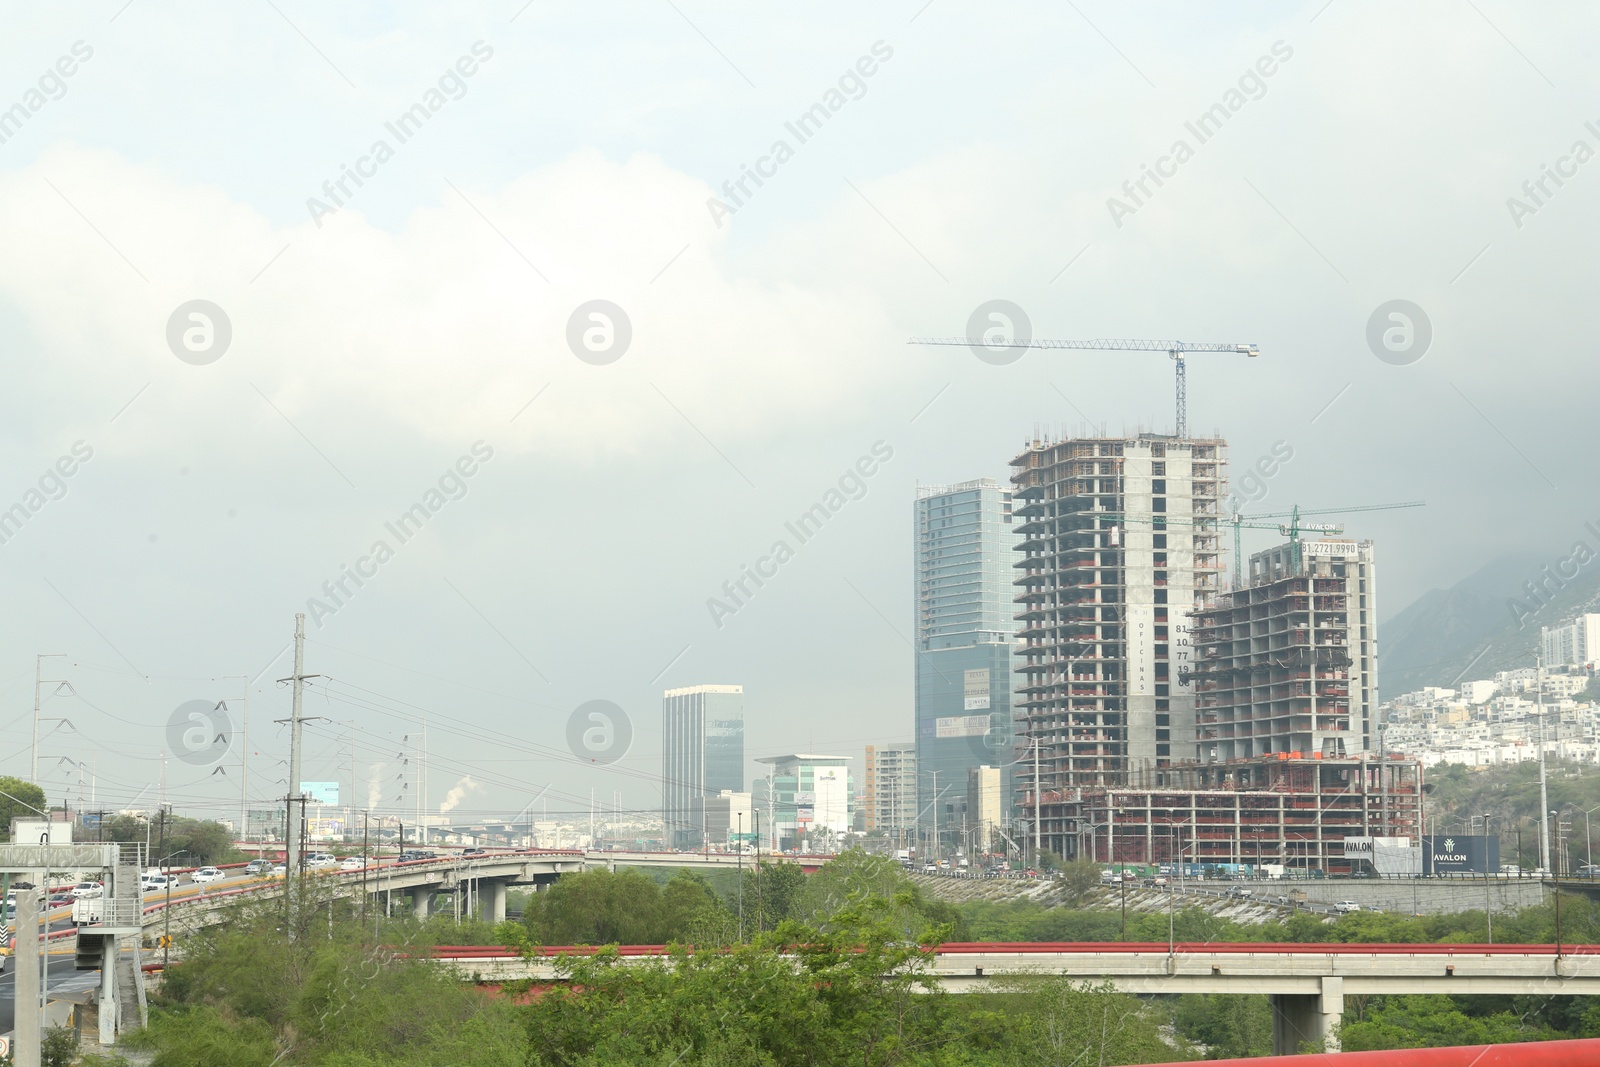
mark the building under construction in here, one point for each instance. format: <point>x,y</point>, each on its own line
<point>1287,664</point>
<point>1285,810</point>
<point>1118,544</point>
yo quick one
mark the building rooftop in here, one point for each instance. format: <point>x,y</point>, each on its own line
<point>686,690</point>
<point>800,757</point>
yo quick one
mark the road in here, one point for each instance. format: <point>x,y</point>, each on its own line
<point>63,979</point>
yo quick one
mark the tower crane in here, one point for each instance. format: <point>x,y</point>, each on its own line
<point>1292,529</point>
<point>1175,350</point>
<point>1294,526</point>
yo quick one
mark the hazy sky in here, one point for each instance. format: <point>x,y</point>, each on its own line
<point>557,154</point>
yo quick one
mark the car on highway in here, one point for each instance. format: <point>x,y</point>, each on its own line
<point>278,868</point>
<point>1346,907</point>
<point>87,889</point>
<point>60,900</point>
<point>414,854</point>
<point>207,875</point>
<point>1239,891</point>
<point>352,863</point>
<point>320,860</point>
<point>474,851</point>
<point>155,881</point>
<point>1589,870</point>
<point>258,867</point>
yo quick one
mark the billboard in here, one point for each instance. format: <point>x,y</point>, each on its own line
<point>962,726</point>
<point>1460,854</point>
<point>975,689</point>
<point>321,792</point>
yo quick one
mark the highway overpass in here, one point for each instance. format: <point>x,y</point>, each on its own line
<point>1307,983</point>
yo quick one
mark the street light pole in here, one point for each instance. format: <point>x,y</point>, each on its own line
<point>1558,902</point>
<point>1488,912</point>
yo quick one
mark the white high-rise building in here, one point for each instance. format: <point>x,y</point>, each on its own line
<point>1571,644</point>
<point>890,793</point>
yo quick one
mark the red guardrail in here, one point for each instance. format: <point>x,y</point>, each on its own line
<point>1582,1053</point>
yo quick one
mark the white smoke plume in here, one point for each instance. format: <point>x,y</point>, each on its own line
<point>375,787</point>
<point>458,793</point>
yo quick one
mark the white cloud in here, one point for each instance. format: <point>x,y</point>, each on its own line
<point>445,328</point>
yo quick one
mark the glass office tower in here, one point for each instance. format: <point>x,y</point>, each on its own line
<point>702,753</point>
<point>964,555</point>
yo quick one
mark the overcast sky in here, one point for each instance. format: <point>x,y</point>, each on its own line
<point>1357,154</point>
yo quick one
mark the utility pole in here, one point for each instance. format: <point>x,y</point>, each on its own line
<point>1038,800</point>
<point>1544,795</point>
<point>38,667</point>
<point>740,842</point>
<point>294,840</point>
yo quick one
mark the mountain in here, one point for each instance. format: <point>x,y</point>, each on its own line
<point>1475,628</point>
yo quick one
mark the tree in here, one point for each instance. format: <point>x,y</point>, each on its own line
<point>26,800</point>
<point>1066,1023</point>
<point>855,875</point>
<point>597,907</point>
<point>1231,1026</point>
<point>1078,879</point>
<point>854,993</point>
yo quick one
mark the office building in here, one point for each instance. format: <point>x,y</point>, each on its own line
<point>808,801</point>
<point>728,818</point>
<point>965,541</point>
<point>702,754</point>
<point>1576,643</point>
<point>889,798</point>
<point>986,809</point>
<point>1118,544</point>
<point>1289,662</point>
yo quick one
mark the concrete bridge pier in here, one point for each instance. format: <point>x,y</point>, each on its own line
<point>495,898</point>
<point>1307,1017</point>
<point>422,900</point>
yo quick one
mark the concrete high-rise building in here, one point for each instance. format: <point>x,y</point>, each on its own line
<point>986,808</point>
<point>1118,545</point>
<point>702,754</point>
<point>1575,643</point>
<point>1288,664</point>
<point>890,795</point>
<point>964,558</point>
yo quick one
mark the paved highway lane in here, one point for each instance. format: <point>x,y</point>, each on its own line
<point>63,979</point>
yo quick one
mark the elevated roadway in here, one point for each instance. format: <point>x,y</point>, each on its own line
<point>1307,983</point>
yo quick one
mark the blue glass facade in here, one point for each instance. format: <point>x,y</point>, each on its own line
<point>702,753</point>
<point>964,557</point>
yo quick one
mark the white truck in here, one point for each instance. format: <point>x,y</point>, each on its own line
<point>88,910</point>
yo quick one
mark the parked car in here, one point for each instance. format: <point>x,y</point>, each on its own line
<point>1346,907</point>
<point>87,889</point>
<point>207,875</point>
